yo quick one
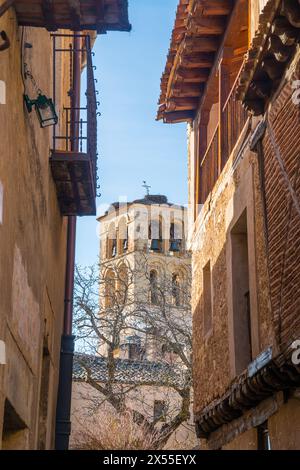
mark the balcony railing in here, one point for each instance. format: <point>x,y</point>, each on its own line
<point>232,122</point>
<point>75,172</point>
<point>209,167</point>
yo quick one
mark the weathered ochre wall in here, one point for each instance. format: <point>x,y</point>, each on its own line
<point>245,441</point>
<point>32,239</point>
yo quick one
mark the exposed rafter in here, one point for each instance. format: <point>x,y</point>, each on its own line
<point>271,51</point>
<point>74,6</point>
<point>199,28</point>
<point>48,13</point>
<point>100,13</point>
<point>76,15</point>
<point>247,392</point>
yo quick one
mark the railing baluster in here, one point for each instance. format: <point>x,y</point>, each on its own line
<point>80,134</point>
<point>233,118</point>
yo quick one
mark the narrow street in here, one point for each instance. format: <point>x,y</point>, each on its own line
<point>149,229</point>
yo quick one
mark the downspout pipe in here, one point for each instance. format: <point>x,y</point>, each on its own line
<point>63,410</point>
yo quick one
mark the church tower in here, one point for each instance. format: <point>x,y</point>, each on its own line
<point>143,249</point>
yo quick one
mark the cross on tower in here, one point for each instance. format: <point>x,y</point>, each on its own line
<point>147,187</point>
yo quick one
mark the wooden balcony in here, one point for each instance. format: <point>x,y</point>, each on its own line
<point>74,179</point>
<point>76,15</point>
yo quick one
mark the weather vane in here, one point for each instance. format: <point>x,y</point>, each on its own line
<point>147,187</point>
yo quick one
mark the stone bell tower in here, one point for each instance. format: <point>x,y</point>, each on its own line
<point>151,231</point>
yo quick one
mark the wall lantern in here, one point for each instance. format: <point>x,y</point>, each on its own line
<point>44,108</point>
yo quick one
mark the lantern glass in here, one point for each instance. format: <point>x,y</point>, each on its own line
<point>45,111</point>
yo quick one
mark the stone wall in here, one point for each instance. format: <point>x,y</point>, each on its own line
<point>273,253</point>
<point>236,190</point>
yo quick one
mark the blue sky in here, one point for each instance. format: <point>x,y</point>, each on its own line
<point>133,146</point>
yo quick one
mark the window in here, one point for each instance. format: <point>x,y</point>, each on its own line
<point>169,353</point>
<point>111,241</point>
<point>176,236</point>
<point>207,299</point>
<point>176,300</point>
<point>15,432</point>
<point>160,410</point>
<point>132,349</point>
<point>241,294</point>
<point>263,437</point>
<point>155,235</point>
<point>122,236</point>
<point>135,352</point>
<point>153,288</point>
<point>113,248</point>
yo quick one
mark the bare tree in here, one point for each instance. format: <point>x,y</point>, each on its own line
<point>135,315</point>
<point>117,432</point>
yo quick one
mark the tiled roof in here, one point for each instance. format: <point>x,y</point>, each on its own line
<point>247,391</point>
<point>127,372</point>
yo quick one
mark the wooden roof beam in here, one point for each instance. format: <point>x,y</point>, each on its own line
<point>182,103</point>
<point>100,15</point>
<point>201,44</point>
<point>214,25</point>
<point>182,89</point>
<point>214,7</point>
<point>198,60</point>
<point>179,116</point>
<point>193,75</point>
<point>74,6</point>
<point>48,13</point>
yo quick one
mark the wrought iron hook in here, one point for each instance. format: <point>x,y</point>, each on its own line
<point>6,41</point>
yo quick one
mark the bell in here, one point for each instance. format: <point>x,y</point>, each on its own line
<point>155,245</point>
<point>125,244</point>
<point>175,246</point>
